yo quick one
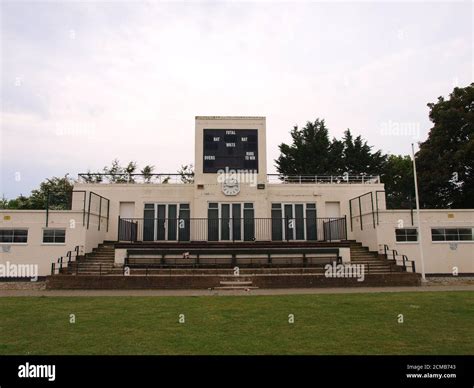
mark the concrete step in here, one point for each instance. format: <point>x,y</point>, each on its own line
<point>242,288</point>
<point>236,283</point>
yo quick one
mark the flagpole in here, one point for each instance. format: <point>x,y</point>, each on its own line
<point>420,240</point>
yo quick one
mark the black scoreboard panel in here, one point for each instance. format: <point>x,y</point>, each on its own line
<point>233,148</point>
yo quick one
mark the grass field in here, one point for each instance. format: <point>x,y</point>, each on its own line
<point>434,323</point>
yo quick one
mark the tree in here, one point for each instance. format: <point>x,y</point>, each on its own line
<point>358,157</point>
<point>147,173</point>
<point>115,173</point>
<point>397,176</point>
<point>20,202</point>
<point>312,153</point>
<point>309,153</point>
<point>54,193</point>
<point>129,170</point>
<point>3,203</point>
<point>91,178</point>
<point>445,161</point>
<point>187,173</point>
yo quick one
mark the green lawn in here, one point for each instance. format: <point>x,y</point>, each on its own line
<point>434,323</point>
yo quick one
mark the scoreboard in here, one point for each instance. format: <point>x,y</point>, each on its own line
<point>233,148</point>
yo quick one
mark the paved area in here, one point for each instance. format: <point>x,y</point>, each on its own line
<point>291,291</point>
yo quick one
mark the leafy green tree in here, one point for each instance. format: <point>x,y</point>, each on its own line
<point>129,170</point>
<point>21,202</point>
<point>336,156</point>
<point>115,173</point>
<point>358,157</point>
<point>54,192</point>
<point>312,153</point>
<point>147,173</point>
<point>309,153</point>
<point>397,175</point>
<point>3,203</point>
<point>187,173</point>
<point>445,161</point>
<point>90,177</point>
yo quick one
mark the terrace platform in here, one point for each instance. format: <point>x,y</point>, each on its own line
<point>222,266</point>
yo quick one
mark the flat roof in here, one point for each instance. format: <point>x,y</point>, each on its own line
<point>230,117</point>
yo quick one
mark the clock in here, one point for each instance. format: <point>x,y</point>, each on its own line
<point>231,186</point>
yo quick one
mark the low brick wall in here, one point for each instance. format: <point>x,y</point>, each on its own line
<point>310,281</point>
<point>131,282</point>
<point>211,281</point>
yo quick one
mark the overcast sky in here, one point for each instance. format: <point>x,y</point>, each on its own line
<point>84,83</point>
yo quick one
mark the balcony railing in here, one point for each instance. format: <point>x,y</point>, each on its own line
<point>189,178</point>
<point>122,178</point>
<point>232,229</point>
<point>323,179</point>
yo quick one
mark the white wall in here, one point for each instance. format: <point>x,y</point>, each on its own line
<point>37,252</point>
<point>439,257</point>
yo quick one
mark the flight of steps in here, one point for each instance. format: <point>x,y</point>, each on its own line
<point>375,263</point>
<point>99,261</point>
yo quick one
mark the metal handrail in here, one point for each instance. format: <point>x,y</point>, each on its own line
<point>232,229</point>
<point>327,179</point>
<point>404,258</point>
<point>60,260</point>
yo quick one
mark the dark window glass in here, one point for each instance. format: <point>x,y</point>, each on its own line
<point>406,234</point>
<point>6,235</point>
<point>452,234</point>
<point>20,236</point>
<point>465,234</point>
<point>437,234</point>
<point>412,234</point>
<point>13,235</point>
<point>60,236</point>
<point>55,236</point>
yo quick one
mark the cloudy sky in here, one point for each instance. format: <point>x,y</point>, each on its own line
<point>84,83</point>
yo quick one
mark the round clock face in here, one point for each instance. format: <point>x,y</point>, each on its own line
<point>231,187</point>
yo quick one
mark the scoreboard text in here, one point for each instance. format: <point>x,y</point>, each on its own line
<point>233,148</point>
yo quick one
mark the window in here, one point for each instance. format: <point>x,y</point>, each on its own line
<point>451,234</point>
<point>406,234</point>
<point>14,236</point>
<point>54,236</point>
